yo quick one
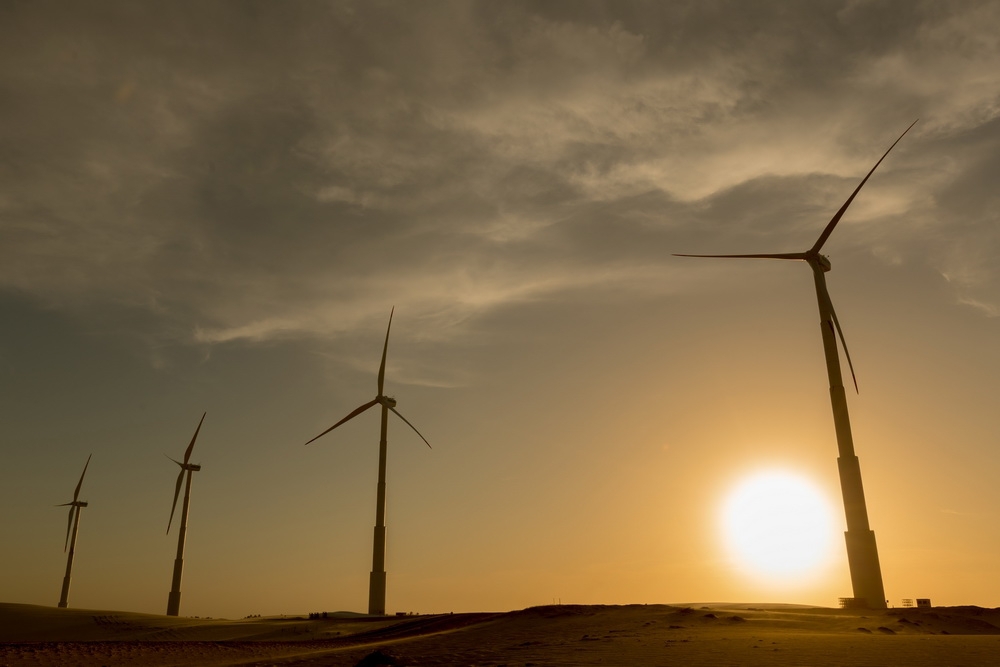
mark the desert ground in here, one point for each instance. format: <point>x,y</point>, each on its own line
<point>695,634</point>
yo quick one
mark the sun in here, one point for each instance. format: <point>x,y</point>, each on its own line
<point>778,525</point>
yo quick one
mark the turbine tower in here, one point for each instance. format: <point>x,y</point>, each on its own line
<point>862,552</point>
<point>174,600</point>
<point>376,583</point>
<point>75,507</point>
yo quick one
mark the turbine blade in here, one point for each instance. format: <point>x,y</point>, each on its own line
<point>836,218</point>
<point>79,484</point>
<point>187,453</point>
<point>843,341</point>
<point>177,493</point>
<point>176,461</point>
<point>69,525</point>
<point>385,348</point>
<point>412,426</point>
<point>777,255</point>
<point>354,414</point>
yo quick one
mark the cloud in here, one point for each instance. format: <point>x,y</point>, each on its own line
<point>259,172</point>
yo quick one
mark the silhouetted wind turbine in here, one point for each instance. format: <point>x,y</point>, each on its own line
<point>862,552</point>
<point>376,583</point>
<point>174,599</point>
<point>75,507</point>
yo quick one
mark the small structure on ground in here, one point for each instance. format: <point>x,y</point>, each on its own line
<point>853,603</point>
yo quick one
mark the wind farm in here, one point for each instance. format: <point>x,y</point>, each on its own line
<point>208,207</point>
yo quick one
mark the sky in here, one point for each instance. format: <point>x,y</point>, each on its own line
<point>214,206</point>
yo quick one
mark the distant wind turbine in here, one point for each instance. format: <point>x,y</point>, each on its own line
<point>75,507</point>
<point>862,552</point>
<point>174,600</point>
<point>376,583</point>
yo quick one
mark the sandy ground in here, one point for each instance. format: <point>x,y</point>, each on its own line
<point>557,635</point>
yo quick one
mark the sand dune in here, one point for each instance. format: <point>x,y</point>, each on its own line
<point>715,634</point>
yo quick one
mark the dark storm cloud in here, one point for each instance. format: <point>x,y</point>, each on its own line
<point>256,170</point>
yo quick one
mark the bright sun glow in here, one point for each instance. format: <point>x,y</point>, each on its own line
<point>777,524</point>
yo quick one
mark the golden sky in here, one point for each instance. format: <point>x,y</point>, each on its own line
<point>213,207</point>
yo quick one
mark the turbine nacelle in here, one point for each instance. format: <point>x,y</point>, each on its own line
<point>821,260</point>
<point>193,467</point>
<point>75,503</point>
<point>387,401</point>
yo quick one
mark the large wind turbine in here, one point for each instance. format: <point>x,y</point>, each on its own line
<point>376,583</point>
<point>174,600</point>
<point>862,553</point>
<point>75,507</point>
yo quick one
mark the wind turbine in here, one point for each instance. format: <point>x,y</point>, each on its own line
<point>376,582</point>
<point>862,552</point>
<point>75,507</point>
<point>174,600</point>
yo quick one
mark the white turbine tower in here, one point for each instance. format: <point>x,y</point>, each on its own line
<point>174,599</point>
<point>376,583</point>
<point>75,507</point>
<point>862,552</point>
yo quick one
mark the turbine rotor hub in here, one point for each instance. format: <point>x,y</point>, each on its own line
<point>822,261</point>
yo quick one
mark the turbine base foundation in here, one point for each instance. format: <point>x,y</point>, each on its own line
<point>65,593</point>
<point>174,603</point>
<point>866,574</point>
<point>376,594</point>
